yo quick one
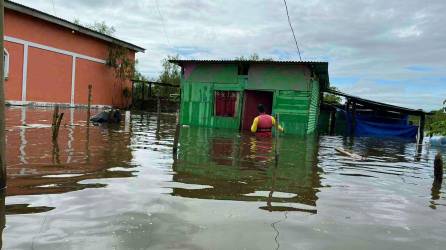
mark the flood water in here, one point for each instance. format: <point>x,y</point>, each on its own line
<point>121,187</point>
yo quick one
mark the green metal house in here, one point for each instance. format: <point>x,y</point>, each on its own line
<point>225,94</point>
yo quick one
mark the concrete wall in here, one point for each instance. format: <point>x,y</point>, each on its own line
<point>51,64</point>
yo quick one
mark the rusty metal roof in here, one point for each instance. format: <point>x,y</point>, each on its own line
<point>245,61</point>
<point>320,68</point>
<point>67,24</point>
<point>378,105</point>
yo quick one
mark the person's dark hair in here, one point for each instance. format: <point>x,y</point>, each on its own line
<point>261,108</point>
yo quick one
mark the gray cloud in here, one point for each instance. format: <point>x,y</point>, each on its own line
<point>375,42</point>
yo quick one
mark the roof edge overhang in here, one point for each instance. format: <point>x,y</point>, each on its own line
<point>64,23</point>
<point>320,68</point>
<point>379,105</point>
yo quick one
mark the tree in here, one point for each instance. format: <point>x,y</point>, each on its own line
<point>253,57</point>
<point>171,74</point>
<point>444,106</point>
<point>77,21</point>
<point>118,59</point>
<point>102,27</point>
<point>331,98</point>
<point>436,123</point>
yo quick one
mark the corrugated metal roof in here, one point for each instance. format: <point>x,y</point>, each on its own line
<point>320,68</point>
<point>62,22</point>
<point>381,105</point>
<point>246,61</point>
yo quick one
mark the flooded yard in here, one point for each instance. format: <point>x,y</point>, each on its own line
<point>121,187</point>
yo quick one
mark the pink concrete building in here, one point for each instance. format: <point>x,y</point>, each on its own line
<point>49,61</point>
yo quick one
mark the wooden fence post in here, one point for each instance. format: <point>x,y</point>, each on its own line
<point>177,134</point>
<point>332,127</point>
<point>276,147</point>
<point>142,96</point>
<point>420,136</point>
<point>438,168</point>
<point>57,119</point>
<point>353,123</point>
<point>158,104</point>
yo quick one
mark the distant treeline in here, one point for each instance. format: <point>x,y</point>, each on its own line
<point>171,74</point>
<point>436,123</point>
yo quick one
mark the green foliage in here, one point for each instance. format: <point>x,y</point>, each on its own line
<point>137,75</point>
<point>437,128</point>
<point>126,92</point>
<point>118,59</point>
<point>77,21</point>
<point>332,99</point>
<point>171,74</point>
<point>253,57</point>
<point>436,123</point>
<point>102,27</point>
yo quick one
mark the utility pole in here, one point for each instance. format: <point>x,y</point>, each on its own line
<point>2,106</point>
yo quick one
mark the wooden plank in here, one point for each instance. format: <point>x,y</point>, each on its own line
<point>421,129</point>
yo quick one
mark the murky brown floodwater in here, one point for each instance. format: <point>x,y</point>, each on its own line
<point>112,187</point>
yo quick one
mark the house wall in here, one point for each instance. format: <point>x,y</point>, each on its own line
<point>313,111</point>
<point>296,94</point>
<point>52,64</point>
<point>283,77</point>
<point>13,84</point>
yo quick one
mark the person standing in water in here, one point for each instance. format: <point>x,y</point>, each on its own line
<point>263,123</point>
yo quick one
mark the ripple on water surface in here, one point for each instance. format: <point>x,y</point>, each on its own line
<point>106,187</point>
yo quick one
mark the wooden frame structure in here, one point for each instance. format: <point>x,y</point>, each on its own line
<point>148,85</point>
<point>354,103</point>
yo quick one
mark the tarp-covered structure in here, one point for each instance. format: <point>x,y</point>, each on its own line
<point>379,126</point>
<point>364,117</point>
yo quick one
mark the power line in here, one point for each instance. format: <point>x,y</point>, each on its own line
<point>54,7</point>
<point>292,30</point>
<point>162,21</point>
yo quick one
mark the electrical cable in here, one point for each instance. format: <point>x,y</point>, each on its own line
<point>162,21</point>
<point>292,30</point>
<point>54,7</point>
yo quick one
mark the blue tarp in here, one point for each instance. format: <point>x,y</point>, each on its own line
<point>368,125</point>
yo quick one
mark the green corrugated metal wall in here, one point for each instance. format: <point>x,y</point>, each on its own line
<point>298,109</point>
<point>313,111</point>
<point>292,107</point>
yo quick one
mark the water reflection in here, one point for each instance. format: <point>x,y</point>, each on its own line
<point>222,190</point>
<point>435,193</point>
<point>241,167</point>
<point>79,154</point>
<point>2,216</point>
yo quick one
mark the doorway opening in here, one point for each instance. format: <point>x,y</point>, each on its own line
<point>251,100</point>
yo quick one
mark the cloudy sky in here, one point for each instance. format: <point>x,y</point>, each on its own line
<point>386,50</point>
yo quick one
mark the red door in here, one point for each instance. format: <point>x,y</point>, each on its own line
<point>251,100</point>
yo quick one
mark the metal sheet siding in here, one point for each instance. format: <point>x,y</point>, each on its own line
<point>296,95</point>
<point>313,110</point>
<point>213,73</point>
<point>197,105</point>
<point>283,77</point>
<point>292,106</point>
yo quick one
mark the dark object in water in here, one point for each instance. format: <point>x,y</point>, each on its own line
<point>349,154</point>
<point>438,168</point>
<point>109,116</point>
